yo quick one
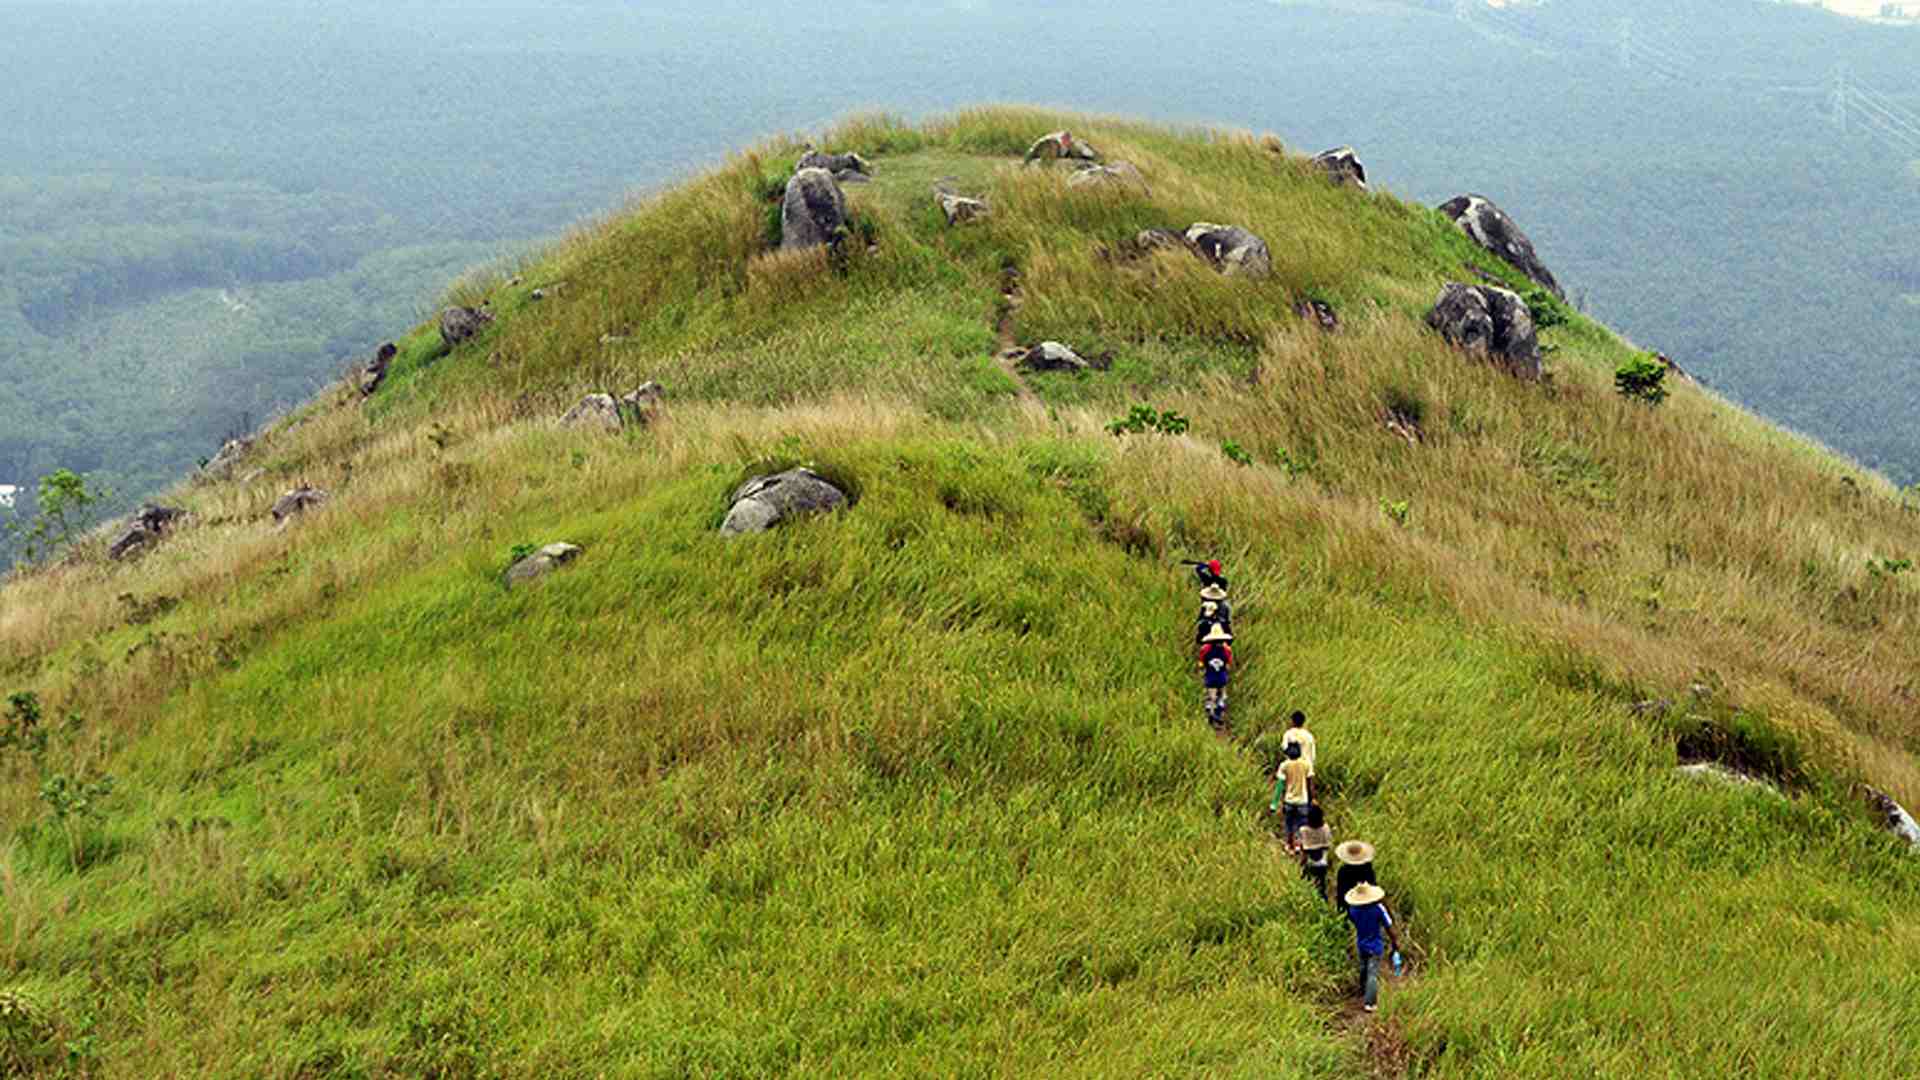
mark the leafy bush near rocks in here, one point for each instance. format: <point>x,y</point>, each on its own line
<point>1641,378</point>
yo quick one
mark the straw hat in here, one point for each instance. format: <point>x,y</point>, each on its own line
<point>1365,893</point>
<point>1213,592</point>
<point>1354,852</point>
<point>1218,633</point>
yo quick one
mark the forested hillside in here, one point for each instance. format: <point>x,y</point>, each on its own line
<point>448,736</point>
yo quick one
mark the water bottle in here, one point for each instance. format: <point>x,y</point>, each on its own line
<point>1398,965</point>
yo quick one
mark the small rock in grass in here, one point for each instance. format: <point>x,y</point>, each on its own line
<point>1342,166</point>
<point>1061,144</point>
<point>375,372</point>
<point>1052,356</point>
<point>958,208</point>
<point>840,165</point>
<point>145,529</point>
<point>457,324</point>
<point>542,562</point>
<point>1120,174</point>
<point>1231,249</point>
<point>297,502</point>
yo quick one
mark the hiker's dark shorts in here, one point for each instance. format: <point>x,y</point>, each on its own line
<point>1296,818</point>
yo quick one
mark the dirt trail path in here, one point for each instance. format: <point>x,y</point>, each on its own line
<point>1006,349</point>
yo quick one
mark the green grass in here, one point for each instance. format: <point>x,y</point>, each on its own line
<point>922,787</point>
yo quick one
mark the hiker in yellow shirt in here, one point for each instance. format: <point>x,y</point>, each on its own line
<point>1293,789</point>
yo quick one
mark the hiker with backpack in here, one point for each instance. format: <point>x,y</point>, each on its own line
<point>1315,840</point>
<point>1216,670</point>
<point>1367,911</point>
<point>1356,868</point>
<point>1298,733</point>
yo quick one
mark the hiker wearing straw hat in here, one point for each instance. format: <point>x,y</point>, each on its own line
<point>1217,596</point>
<point>1367,910</point>
<point>1356,868</point>
<point>1216,668</point>
<point>1293,789</point>
<point>1211,612</point>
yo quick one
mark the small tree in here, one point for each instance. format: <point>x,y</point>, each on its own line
<point>67,505</point>
<point>1642,378</point>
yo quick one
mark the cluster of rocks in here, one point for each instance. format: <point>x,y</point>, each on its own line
<point>1059,146</point>
<point>846,168</point>
<point>766,501</point>
<point>1491,228</point>
<point>640,407</point>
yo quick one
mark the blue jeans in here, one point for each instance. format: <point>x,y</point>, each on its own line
<point>1369,977</point>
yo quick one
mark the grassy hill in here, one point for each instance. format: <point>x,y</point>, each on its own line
<point>922,788</point>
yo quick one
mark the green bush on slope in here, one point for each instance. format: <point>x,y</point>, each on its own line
<point>923,785</point>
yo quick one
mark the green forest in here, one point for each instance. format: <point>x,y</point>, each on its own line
<point>204,221</point>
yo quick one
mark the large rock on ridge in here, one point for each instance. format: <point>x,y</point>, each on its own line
<point>145,529</point>
<point>457,324</point>
<point>1490,321</point>
<point>1342,166</point>
<point>1061,144</point>
<point>1491,228</point>
<point>814,212</point>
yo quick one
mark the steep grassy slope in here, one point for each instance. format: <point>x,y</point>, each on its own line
<point>922,788</point>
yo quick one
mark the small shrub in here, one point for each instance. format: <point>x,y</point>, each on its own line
<point>1144,418</point>
<point>1235,454</point>
<point>1888,567</point>
<point>1397,511</point>
<point>68,505</point>
<point>1642,379</point>
<point>1547,310</point>
<point>22,729</point>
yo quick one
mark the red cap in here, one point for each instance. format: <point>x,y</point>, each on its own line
<point>1213,565</point>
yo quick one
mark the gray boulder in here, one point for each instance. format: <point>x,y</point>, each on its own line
<point>542,562</point>
<point>1061,144</point>
<point>643,404</point>
<point>958,208</point>
<point>766,501</point>
<point>1491,228</point>
<point>145,529</point>
<point>1490,321</point>
<point>1120,174</point>
<point>457,324</point>
<point>297,502</point>
<point>837,164</point>
<point>814,212</point>
<point>594,410</point>
<point>1231,249</point>
<point>1052,356</point>
<point>1342,166</point>
<point>375,372</point>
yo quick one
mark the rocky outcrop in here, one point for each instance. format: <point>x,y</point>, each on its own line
<point>1121,175</point>
<point>1231,249</point>
<point>145,529</point>
<point>1342,166</point>
<point>220,465</point>
<point>1061,144</point>
<point>457,324</point>
<point>958,208</point>
<point>297,502</point>
<point>1894,817</point>
<point>1318,311</point>
<point>1713,770</point>
<point>542,562</point>
<point>375,372</point>
<point>1492,322</point>
<point>1051,356</point>
<point>763,502</point>
<point>814,212</point>
<point>1491,228</point>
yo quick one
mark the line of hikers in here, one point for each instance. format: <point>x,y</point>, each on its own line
<point>1309,839</point>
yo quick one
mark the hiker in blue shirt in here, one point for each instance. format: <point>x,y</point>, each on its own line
<point>1367,910</point>
<point>1216,669</point>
